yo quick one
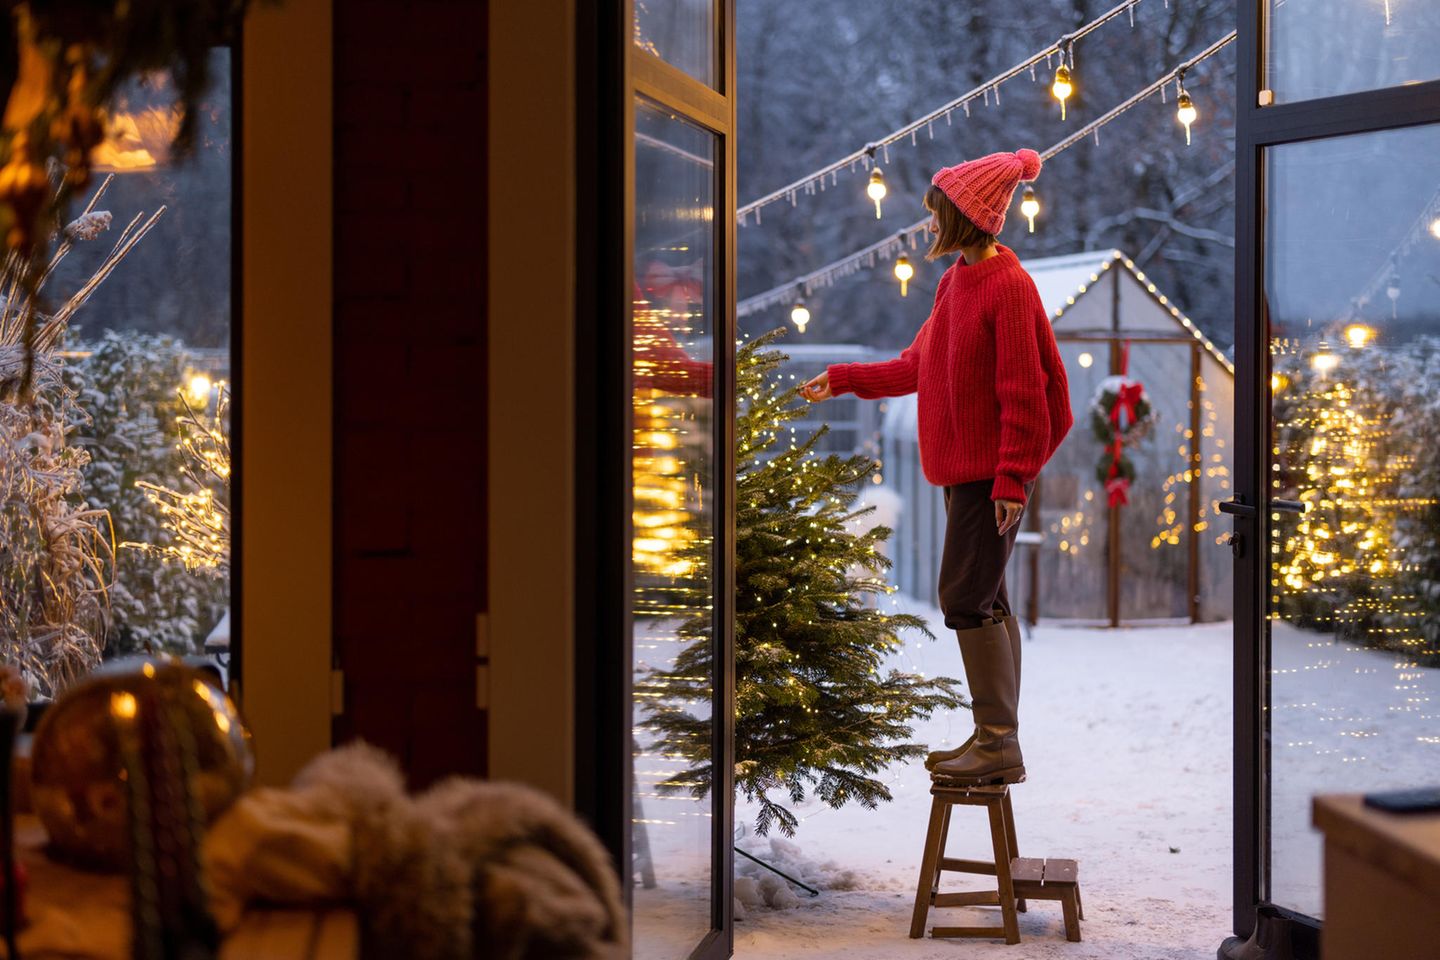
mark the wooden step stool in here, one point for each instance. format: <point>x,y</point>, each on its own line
<point>1017,878</point>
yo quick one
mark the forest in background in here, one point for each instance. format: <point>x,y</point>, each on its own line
<point>817,81</point>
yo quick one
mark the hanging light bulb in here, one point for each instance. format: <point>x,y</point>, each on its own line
<point>876,189</point>
<point>1324,361</point>
<point>1062,87</point>
<point>800,315</point>
<point>903,272</point>
<point>1359,334</point>
<point>1186,113</point>
<point>1030,206</point>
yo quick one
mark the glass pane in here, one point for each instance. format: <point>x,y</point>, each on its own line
<point>153,336</point>
<point>1352,260</point>
<point>1322,48</point>
<point>680,32</point>
<point>674,532</point>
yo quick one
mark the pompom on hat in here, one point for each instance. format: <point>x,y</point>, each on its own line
<point>982,189</point>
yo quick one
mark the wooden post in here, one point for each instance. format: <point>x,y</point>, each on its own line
<point>1197,466</point>
<point>1112,580</point>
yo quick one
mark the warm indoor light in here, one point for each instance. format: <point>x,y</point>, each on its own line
<point>876,189</point>
<point>1062,87</point>
<point>1358,334</point>
<point>1086,360</point>
<point>123,705</point>
<point>800,315</point>
<point>1278,382</point>
<point>1030,206</point>
<point>1186,113</point>
<point>903,272</point>
<point>197,390</point>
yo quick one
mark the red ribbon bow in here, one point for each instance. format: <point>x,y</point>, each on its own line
<point>1126,399</point>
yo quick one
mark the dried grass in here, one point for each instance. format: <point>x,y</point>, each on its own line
<point>57,554</point>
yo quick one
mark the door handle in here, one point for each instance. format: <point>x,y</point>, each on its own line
<point>1237,508</point>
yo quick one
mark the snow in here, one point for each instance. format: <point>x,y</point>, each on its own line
<point>1127,737</point>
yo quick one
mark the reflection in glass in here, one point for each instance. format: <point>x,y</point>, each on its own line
<point>674,519</point>
<point>680,32</point>
<point>1322,48</point>
<point>1353,291</point>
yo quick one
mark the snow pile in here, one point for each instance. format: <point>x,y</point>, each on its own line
<point>756,886</point>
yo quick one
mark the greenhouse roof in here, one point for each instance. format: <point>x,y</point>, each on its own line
<point>1063,281</point>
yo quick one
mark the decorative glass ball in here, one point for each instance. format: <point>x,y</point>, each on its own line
<point>99,730</point>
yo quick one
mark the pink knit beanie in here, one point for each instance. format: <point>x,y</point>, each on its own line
<point>982,188</point>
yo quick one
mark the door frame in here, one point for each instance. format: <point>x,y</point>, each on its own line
<point>1257,128</point>
<point>611,72</point>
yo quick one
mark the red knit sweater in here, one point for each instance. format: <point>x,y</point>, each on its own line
<point>994,400</point>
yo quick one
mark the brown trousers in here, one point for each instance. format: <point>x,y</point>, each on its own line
<point>972,566</point>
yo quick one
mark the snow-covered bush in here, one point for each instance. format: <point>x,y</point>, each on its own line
<point>127,385</point>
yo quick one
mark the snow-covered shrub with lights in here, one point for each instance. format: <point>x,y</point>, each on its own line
<point>1357,432</point>
<point>814,712</point>
<point>127,386</point>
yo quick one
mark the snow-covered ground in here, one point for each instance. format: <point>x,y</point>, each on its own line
<point>1127,737</point>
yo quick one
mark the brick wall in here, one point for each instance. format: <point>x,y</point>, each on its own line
<point>410,410</point>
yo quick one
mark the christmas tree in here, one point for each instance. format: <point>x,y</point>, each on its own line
<point>813,711</point>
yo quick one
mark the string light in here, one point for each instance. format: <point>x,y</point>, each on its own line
<point>197,390</point>
<point>800,315</point>
<point>1030,206</point>
<point>875,189</point>
<point>1186,113</point>
<point>1358,334</point>
<point>903,272</point>
<point>1064,85</point>
<point>1324,361</point>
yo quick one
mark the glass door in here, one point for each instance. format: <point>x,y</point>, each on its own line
<point>1352,284</point>
<point>681,228</point>
<point>1337,484</point>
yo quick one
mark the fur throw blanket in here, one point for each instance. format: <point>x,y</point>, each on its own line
<point>468,869</point>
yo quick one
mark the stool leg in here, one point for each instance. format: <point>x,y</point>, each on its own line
<point>928,868</point>
<point>1079,902</point>
<point>1014,841</point>
<point>1070,904</point>
<point>940,854</point>
<point>1000,840</point>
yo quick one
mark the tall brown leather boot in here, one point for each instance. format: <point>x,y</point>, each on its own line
<point>1012,628</point>
<point>990,670</point>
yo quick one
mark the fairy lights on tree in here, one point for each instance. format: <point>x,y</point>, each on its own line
<point>197,520</point>
<point>814,709</point>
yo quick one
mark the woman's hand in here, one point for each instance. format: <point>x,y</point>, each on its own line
<point>817,389</point>
<point>1007,514</point>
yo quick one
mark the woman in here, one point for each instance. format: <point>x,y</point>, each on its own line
<point>994,405</point>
